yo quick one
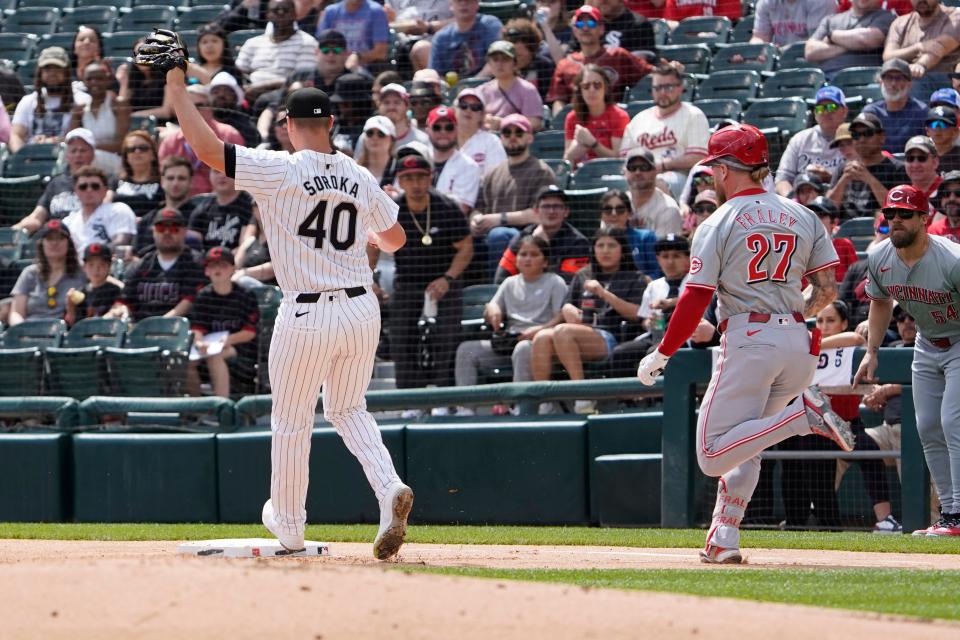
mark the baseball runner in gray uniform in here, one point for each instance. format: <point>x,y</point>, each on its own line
<point>753,251</point>
<point>319,211</point>
<point>922,273</point>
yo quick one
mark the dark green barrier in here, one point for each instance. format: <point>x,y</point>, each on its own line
<point>33,486</point>
<point>338,491</point>
<point>517,473</point>
<point>145,478</point>
<point>94,408</point>
<point>63,411</point>
<point>626,489</point>
<point>621,433</point>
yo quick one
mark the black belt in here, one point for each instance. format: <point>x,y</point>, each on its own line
<point>352,292</point>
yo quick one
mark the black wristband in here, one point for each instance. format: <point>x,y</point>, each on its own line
<point>449,279</point>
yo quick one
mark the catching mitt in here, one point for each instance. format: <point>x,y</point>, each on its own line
<point>163,50</point>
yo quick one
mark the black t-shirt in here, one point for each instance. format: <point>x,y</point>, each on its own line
<point>626,285</point>
<point>233,312</point>
<point>242,122</point>
<point>858,199</point>
<point>142,197</point>
<point>98,300</point>
<point>220,224</point>
<point>144,242</point>
<point>148,290</point>
<point>417,264</point>
<point>631,32</point>
<point>59,198</point>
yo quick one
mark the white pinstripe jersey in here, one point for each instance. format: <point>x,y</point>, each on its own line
<point>755,249</point>
<point>315,209</point>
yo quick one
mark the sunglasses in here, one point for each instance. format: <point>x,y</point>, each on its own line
<point>595,84</point>
<point>856,135</point>
<point>828,107</point>
<point>423,102</point>
<point>336,50</point>
<point>903,214</point>
<point>916,157</point>
<point>167,227</point>
<point>618,210</point>
<point>51,297</point>
<point>938,124</point>
<point>83,186</point>
<point>704,208</point>
<point>140,148</point>
<point>639,166</point>
<point>470,106</point>
<point>446,128</point>
<point>950,192</point>
<point>512,132</point>
<point>375,133</point>
<point>589,23</point>
<point>699,180</point>
<point>883,229</point>
<point>656,88</point>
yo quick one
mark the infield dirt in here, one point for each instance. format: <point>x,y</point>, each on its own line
<point>80,589</point>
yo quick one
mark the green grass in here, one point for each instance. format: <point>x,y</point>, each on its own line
<point>589,536</point>
<point>926,594</point>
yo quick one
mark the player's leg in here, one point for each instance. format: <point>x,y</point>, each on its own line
<point>929,384</point>
<point>734,490</point>
<point>950,420</point>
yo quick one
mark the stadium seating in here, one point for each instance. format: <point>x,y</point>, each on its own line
<point>860,231</point>
<point>35,159</point>
<point>859,81</point>
<point>695,58</point>
<point>62,39</point>
<point>46,4</point>
<point>237,38</point>
<point>793,83</point>
<point>18,196</point>
<point>197,16</point>
<point>268,302</point>
<point>38,20</point>
<point>11,243</point>
<point>561,168</point>
<point>661,31</point>
<point>153,361</point>
<point>600,172</point>
<point>636,106</point>
<point>758,57</point>
<point>101,17</point>
<point>642,90</point>
<point>788,115</point>
<point>21,372</point>
<point>733,84</point>
<point>119,4</point>
<point>120,43</point>
<point>547,144</point>
<point>743,30</point>
<point>585,209</point>
<point>791,57</point>
<point>18,47</point>
<point>475,298</point>
<point>78,369</point>
<point>504,9</point>
<point>146,17</point>
<point>34,333</point>
<point>710,30</point>
<point>718,109</point>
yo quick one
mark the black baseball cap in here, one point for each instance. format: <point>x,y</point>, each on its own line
<point>331,36</point>
<point>671,242</point>
<point>308,103</point>
<point>219,254</point>
<point>53,226</point>
<point>551,190</point>
<point>413,163</point>
<point>823,206</point>
<point>98,250</point>
<point>169,216</point>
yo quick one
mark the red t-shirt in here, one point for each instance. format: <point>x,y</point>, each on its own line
<point>942,227</point>
<point>645,8</point>
<point>847,253</point>
<point>608,125</point>
<point>680,9</point>
<point>625,70</point>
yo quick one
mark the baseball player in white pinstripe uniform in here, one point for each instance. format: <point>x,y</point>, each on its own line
<point>319,210</point>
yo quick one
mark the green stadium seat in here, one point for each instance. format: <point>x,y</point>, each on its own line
<point>504,9</point>
<point>561,168</point>
<point>788,115</point>
<point>11,243</point>
<point>35,159</point>
<point>18,197</point>
<point>558,119</point>
<point>661,31</point>
<point>60,39</point>
<point>18,47</point>
<point>636,106</point>
<point>710,30</point>
<point>197,16</point>
<point>719,109</point>
<point>268,302</point>
<point>21,372</point>
<point>694,57</point>
<point>743,30</point>
<point>547,144</point>
<point>741,85</point>
<point>585,209</point>
<point>78,368</point>
<point>463,83</point>
<point>860,231</point>
<point>119,4</point>
<point>793,83</point>
<point>147,17</point>
<point>103,17</point>
<point>475,298</point>
<point>758,57</point>
<point>643,91</point>
<point>859,81</point>
<point>39,333</point>
<point>96,332</point>
<point>792,57</point>
<point>27,72</point>
<point>599,172</point>
<point>120,43</point>
<point>154,360</point>
<point>37,20</point>
<point>46,4</point>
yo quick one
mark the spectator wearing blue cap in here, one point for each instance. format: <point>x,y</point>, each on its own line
<point>941,127</point>
<point>853,38</point>
<point>945,98</point>
<point>809,151</point>
<point>901,114</point>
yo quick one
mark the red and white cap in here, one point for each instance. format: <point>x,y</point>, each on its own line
<point>907,197</point>
<point>441,113</point>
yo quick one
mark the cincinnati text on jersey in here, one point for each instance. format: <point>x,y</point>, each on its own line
<point>747,220</point>
<point>327,183</point>
<point>918,294</point>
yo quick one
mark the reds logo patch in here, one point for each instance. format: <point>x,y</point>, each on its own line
<point>696,264</point>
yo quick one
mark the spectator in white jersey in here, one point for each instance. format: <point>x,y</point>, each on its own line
<point>97,220</point>
<point>810,148</point>
<point>475,142</point>
<point>454,174</point>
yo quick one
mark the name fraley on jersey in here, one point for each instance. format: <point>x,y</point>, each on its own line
<point>747,219</point>
<point>317,184</point>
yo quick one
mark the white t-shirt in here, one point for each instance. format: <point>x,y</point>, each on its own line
<point>108,220</point>
<point>269,61</point>
<point>656,290</point>
<point>686,130</point>
<point>660,213</point>
<point>52,123</point>
<point>460,178</point>
<point>485,149</point>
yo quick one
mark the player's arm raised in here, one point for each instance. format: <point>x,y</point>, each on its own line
<point>202,139</point>
<point>823,291</point>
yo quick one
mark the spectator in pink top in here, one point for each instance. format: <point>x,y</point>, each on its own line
<point>594,128</point>
<point>507,93</point>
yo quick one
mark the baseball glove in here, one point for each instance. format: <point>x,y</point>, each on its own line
<point>162,50</point>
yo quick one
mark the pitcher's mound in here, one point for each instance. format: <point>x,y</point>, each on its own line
<point>250,548</point>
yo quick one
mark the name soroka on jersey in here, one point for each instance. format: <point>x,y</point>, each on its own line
<point>327,183</point>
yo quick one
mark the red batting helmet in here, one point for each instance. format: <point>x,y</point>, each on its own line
<point>743,143</point>
<point>905,196</point>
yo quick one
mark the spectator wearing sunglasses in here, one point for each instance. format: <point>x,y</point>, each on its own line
<point>594,127</point>
<point>923,168</point>
<point>475,141</point>
<point>863,184</point>
<point>853,38</point>
<point>941,127</point>
<point>424,98</point>
<point>810,149</point>
<point>507,192</point>
<point>699,179</point>
<point>588,29</point>
<point>455,174</point>
<point>110,223</point>
<point>462,44</point>
<point>41,289</point>
<point>364,24</point>
<point>506,93</point>
<point>704,205</point>
<point>377,148</point>
<point>652,208</point>
<point>947,222</point>
<point>902,115</point>
<point>615,213</point>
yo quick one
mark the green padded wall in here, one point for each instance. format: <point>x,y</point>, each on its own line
<point>515,473</point>
<point>621,433</point>
<point>145,477</point>
<point>626,489</point>
<point>33,486</point>
<point>338,492</point>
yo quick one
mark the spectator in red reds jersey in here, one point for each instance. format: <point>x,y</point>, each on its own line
<point>947,222</point>
<point>224,323</point>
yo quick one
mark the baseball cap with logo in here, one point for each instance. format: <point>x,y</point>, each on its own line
<point>868,120</point>
<point>671,242</point>
<point>946,114</point>
<point>56,56</point>
<point>922,143</point>
<point>415,147</point>
<point>441,113</point>
<point>842,135</point>
<point>589,12</point>
<point>896,65</point>
<point>551,191</point>
<point>53,226</point>
<point>413,163</point>
<point>503,47</point>
<point>908,197</point>
<point>308,103</point>
<point>641,152</point>
<point>810,180</point>
<point>382,124</point>
<point>218,254</point>
<point>945,97</point>
<point>822,206</point>
<point>398,89</point>
<point>516,120</point>
<point>831,94</point>
<point>98,250</point>
<point>169,216</point>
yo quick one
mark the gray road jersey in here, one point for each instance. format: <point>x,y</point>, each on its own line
<point>928,291</point>
<point>755,249</point>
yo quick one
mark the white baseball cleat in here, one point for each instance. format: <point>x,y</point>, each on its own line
<point>394,510</point>
<point>293,544</point>
<point>824,421</point>
<point>713,554</point>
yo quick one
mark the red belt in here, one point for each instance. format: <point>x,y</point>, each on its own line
<point>764,317</point>
<point>941,343</point>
